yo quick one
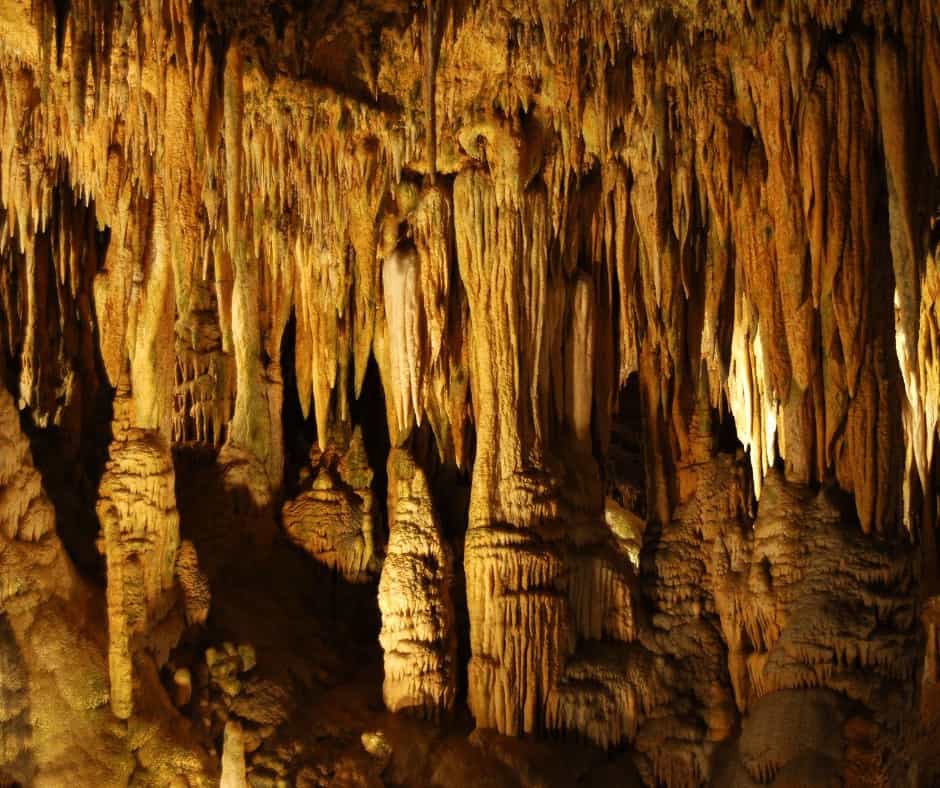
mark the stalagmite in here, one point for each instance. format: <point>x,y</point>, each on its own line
<point>333,518</point>
<point>140,540</point>
<point>418,624</point>
<point>233,757</point>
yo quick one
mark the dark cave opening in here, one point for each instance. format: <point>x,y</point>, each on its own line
<point>625,470</point>
<point>305,621</point>
<point>368,412</point>
<point>299,433</point>
<point>270,595</point>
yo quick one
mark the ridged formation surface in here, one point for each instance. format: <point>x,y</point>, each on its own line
<point>418,625</point>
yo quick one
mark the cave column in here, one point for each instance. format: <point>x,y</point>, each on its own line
<point>515,578</point>
<point>136,506</point>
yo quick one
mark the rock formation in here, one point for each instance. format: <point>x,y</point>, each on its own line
<point>572,365</point>
<point>418,626</point>
<point>56,726</point>
<point>140,540</point>
<point>233,758</point>
<point>197,595</point>
<point>333,519</point>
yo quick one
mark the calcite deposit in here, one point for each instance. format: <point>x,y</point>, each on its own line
<point>418,627</point>
<point>390,387</point>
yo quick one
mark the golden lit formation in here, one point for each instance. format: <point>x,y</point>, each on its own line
<point>469,392</point>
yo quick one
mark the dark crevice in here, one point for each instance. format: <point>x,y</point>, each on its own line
<point>299,433</point>
<point>625,470</point>
<point>368,412</point>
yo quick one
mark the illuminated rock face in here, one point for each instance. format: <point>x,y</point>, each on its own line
<point>140,539</point>
<point>333,520</point>
<point>418,626</point>
<point>656,284</point>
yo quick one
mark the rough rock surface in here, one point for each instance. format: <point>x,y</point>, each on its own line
<point>140,540</point>
<point>418,625</point>
<point>56,726</point>
<point>332,519</point>
<point>583,357</point>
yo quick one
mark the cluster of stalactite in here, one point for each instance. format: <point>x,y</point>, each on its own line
<point>736,205</point>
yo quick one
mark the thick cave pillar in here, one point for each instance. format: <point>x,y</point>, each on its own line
<point>154,247</point>
<point>136,498</point>
<point>250,427</point>
<point>252,423</point>
<point>550,599</point>
<point>514,573</point>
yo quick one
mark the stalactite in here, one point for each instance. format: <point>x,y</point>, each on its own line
<point>400,284</point>
<point>205,379</point>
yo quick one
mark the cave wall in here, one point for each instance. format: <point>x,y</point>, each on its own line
<point>515,209</point>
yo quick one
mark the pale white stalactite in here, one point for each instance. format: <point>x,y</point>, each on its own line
<point>400,282</point>
<point>579,379</point>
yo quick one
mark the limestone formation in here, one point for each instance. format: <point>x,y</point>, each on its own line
<point>233,757</point>
<point>56,727</point>
<point>194,584</point>
<point>418,625</point>
<point>592,348</point>
<point>333,519</point>
<point>140,540</point>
